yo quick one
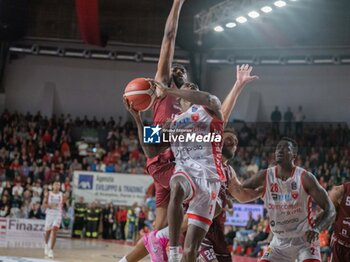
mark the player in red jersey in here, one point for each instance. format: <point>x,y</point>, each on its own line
<point>160,159</point>
<point>161,166</point>
<point>340,196</point>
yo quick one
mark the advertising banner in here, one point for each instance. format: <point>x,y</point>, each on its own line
<point>240,214</point>
<point>120,189</point>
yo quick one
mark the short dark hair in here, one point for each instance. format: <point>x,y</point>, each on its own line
<point>176,65</point>
<point>292,141</point>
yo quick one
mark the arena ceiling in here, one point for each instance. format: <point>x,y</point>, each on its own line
<point>308,23</point>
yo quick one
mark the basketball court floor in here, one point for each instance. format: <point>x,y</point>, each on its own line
<point>66,250</point>
<point>70,250</point>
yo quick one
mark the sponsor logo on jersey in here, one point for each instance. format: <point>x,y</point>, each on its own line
<point>281,197</point>
<point>195,117</point>
<point>293,185</point>
<point>194,109</point>
<point>295,195</point>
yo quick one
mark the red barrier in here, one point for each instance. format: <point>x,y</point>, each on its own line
<point>88,20</point>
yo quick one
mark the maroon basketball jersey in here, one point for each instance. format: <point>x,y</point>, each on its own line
<point>342,222</point>
<point>164,109</point>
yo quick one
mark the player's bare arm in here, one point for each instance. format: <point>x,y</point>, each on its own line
<point>168,44</point>
<point>319,195</point>
<point>336,195</point>
<point>243,77</point>
<point>150,150</point>
<point>243,195</point>
<point>255,182</point>
<point>197,97</point>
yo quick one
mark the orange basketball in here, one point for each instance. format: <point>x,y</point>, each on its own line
<point>141,93</point>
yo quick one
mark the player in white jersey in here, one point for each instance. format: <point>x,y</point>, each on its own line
<point>288,190</point>
<point>196,141</point>
<point>53,202</point>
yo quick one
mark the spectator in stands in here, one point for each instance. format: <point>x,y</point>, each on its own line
<point>5,206</point>
<point>131,220</point>
<point>288,118</point>
<point>107,221</point>
<point>276,118</point>
<point>251,222</point>
<point>122,218</point>
<point>36,212</point>
<point>230,235</point>
<point>299,119</point>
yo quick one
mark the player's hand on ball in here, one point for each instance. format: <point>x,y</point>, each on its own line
<point>130,108</point>
<point>243,74</point>
<point>160,88</point>
<point>311,236</point>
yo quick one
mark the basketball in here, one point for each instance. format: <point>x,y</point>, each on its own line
<point>140,93</point>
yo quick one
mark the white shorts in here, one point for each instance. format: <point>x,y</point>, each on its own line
<point>290,249</point>
<point>52,221</point>
<point>201,196</point>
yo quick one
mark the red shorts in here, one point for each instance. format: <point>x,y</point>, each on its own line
<point>214,245</point>
<point>339,252</point>
<point>161,168</point>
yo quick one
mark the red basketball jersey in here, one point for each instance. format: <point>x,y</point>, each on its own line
<point>342,222</point>
<point>165,108</point>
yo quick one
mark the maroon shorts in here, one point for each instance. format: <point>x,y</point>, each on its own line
<point>214,245</point>
<point>340,253</point>
<point>161,168</point>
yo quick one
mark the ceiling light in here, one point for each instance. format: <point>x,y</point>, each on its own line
<point>266,9</point>
<point>280,3</point>
<point>218,28</point>
<point>231,25</point>
<point>241,19</point>
<point>253,14</point>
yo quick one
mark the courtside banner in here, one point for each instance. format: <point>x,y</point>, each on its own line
<point>120,189</point>
<point>239,217</point>
<point>23,228</point>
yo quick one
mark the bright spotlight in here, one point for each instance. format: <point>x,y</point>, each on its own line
<point>218,28</point>
<point>266,9</point>
<point>241,19</point>
<point>231,25</point>
<point>253,14</point>
<point>280,3</point>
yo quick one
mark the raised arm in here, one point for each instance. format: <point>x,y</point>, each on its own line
<point>320,196</point>
<point>243,77</point>
<point>197,97</point>
<point>168,43</point>
<point>243,195</point>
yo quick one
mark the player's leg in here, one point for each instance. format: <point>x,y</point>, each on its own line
<point>200,214</point>
<point>194,237</point>
<point>182,188</point>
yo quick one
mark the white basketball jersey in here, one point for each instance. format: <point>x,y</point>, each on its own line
<point>55,199</point>
<point>200,157</point>
<point>289,206</point>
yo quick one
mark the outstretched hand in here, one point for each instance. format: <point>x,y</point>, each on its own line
<point>243,74</point>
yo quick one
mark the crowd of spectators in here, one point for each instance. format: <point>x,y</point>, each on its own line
<point>36,150</point>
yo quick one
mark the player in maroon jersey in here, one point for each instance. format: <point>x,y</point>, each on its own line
<point>340,196</point>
